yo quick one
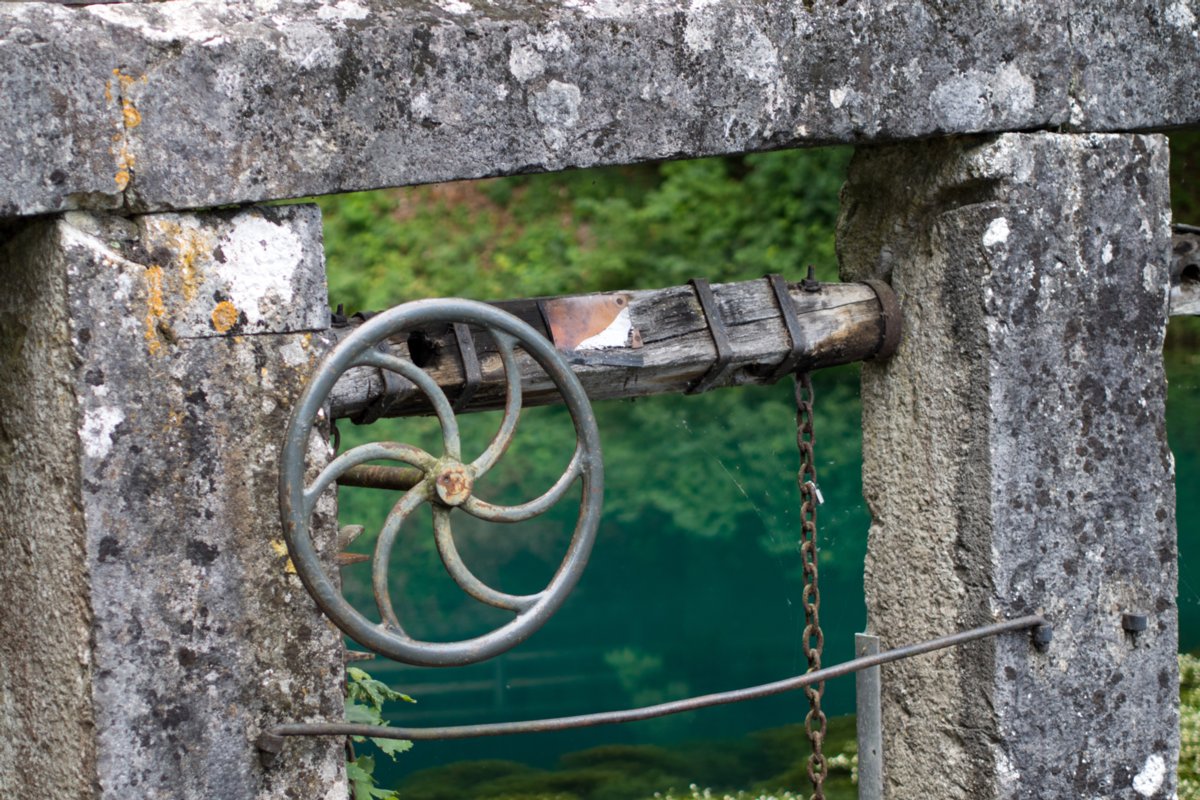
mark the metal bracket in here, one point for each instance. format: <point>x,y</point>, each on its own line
<point>787,310</point>
<point>472,375</point>
<point>720,336</point>
<point>392,386</point>
<point>889,316</point>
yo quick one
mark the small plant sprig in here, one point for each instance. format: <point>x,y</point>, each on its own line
<point>365,699</point>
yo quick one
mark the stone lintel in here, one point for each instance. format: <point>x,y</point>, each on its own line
<point>1016,461</point>
<point>191,103</point>
<point>182,341</point>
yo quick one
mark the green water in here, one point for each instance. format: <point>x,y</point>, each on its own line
<point>694,585</point>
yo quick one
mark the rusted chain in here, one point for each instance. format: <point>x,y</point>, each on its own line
<point>814,638</point>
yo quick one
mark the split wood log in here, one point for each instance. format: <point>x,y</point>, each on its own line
<point>1185,271</point>
<point>637,343</point>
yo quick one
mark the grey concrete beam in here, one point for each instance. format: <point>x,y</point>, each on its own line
<point>1015,461</point>
<point>190,103</point>
<point>151,625</point>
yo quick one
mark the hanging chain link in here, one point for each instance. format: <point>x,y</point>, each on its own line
<point>814,639</point>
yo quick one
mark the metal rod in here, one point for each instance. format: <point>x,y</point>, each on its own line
<point>648,712</point>
<point>371,476</point>
<point>869,721</point>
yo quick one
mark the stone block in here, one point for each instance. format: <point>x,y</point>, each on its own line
<point>141,438</point>
<point>1016,461</point>
<point>191,103</point>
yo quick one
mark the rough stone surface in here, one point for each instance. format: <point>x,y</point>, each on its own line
<point>1135,64</point>
<point>1016,461</point>
<point>45,675</point>
<point>201,635</point>
<point>191,103</point>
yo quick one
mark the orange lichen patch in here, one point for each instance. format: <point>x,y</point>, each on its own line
<point>224,316</point>
<point>191,250</point>
<point>132,116</point>
<point>155,308</point>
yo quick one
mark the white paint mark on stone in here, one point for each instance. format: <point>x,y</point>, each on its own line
<point>309,45</point>
<point>1147,782</point>
<point>1106,255</point>
<point>99,424</point>
<point>615,335</point>
<point>343,10</point>
<point>454,6</point>
<point>757,58</point>
<point>996,233</point>
<point>525,63</point>
<point>552,41</point>
<point>837,97</point>
<point>293,354</point>
<point>421,106</point>
<point>1013,92</point>
<point>613,9</point>
<point>1179,15</point>
<point>189,20</point>
<point>261,259</point>
<point>700,33</point>
<point>557,108</point>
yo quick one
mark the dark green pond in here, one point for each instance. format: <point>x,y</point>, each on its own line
<point>694,584</point>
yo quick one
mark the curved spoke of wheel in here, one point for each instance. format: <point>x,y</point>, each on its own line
<point>441,406</point>
<point>494,513</point>
<point>512,408</point>
<point>374,451</point>
<point>383,554</point>
<point>463,576</point>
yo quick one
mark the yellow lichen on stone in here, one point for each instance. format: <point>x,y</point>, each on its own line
<point>155,308</point>
<point>224,316</point>
<point>280,548</point>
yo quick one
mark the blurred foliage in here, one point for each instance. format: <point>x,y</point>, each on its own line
<point>1189,727</point>
<point>614,228</point>
<point>769,764</point>
<point>1185,177</point>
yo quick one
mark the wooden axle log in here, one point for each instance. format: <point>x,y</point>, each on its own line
<point>638,343</point>
<point>1185,271</point>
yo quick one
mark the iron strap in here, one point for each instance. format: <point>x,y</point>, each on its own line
<point>787,310</point>
<point>813,638</point>
<point>472,375</point>
<point>720,336</point>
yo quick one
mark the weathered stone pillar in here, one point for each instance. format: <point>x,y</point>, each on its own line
<point>148,625</point>
<point>1016,461</point>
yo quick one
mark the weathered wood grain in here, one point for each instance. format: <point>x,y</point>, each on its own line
<point>666,348</point>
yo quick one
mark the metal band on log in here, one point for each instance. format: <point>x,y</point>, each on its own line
<point>639,343</point>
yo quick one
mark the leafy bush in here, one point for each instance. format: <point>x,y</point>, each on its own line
<point>1189,727</point>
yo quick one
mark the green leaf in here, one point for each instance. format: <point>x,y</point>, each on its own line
<point>392,747</point>
<point>361,769</point>
<point>362,715</point>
